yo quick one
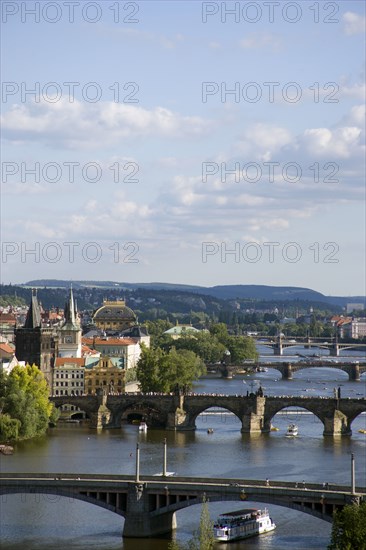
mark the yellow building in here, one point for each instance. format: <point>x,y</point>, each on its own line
<point>114,315</point>
<point>107,375</point>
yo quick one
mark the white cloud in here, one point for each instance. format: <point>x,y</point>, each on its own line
<point>354,23</point>
<point>87,125</point>
<point>262,40</point>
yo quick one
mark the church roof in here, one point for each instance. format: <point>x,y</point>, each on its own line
<point>33,319</point>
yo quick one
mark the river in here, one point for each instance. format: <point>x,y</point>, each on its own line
<point>40,522</point>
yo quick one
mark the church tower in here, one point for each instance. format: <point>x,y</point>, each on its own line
<point>34,342</point>
<point>69,336</point>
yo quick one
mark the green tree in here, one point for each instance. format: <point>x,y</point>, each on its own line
<point>241,348</point>
<point>203,538</point>
<point>220,331</point>
<point>24,397</point>
<point>349,528</point>
<point>204,344</point>
<point>160,371</point>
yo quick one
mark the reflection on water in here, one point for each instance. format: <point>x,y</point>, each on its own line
<point>36,522</point>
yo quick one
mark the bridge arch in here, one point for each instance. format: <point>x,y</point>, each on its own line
<point>275,409</point>
<point>195,412</point>
<point>145,410</point>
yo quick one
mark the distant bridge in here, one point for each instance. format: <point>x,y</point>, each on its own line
<point>279,343</point>
<point>287,368</point>
<point>149,503</point>
<point>179,412</point>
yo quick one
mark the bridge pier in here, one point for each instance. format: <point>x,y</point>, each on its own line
<point>102,416</point>
<point>278,349</point>
<point>334,350</point>
<point>253,420</point>
<point>354,373</point>
<point>337,424</point>
<point>139,520</point>
<point>287,371</point>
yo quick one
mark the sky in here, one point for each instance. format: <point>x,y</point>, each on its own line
<point>190,142</point>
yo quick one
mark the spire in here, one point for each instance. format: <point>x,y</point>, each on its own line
<point>70,310</point>
<point>33,319</point>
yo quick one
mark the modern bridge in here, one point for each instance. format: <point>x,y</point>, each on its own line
<point>287,368</point>
<point>149,503</point>
<point>179,412</point>
<point>279,343</point>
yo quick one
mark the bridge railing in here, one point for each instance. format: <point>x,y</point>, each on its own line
<point>176,480</point>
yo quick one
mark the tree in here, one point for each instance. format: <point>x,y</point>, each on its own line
<point>203,538</point>
<point>24,398</point>
<point>241,348</point>
<point>160,371</point>
<point>204,344</point>
<point>349,528</point>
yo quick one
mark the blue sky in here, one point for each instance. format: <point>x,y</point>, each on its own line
<point>137,106</point>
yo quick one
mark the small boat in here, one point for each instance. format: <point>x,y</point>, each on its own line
<point>242,524</point>
<point>362,431</point>
<point>142,427</point>
<point>292,430</point>
<point>210,430</point>
<point>274,428</point>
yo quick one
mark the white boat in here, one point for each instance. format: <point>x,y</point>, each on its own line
<point>292,430</point>
<point>142,427</point>
<point>242,524</point>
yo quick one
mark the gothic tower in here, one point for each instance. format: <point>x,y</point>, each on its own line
<point>69,335</point>
<point>34,342</point>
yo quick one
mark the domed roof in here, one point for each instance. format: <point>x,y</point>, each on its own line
<point>114,310</point>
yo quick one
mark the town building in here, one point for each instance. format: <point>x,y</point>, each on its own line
<point>107,376</point>
<point>114,316</point>
<point>180,331</point>
<point>127,349</point>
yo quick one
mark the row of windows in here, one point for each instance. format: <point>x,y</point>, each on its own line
<point>72,393</point>
<point>72,384</point>
<point>66,375</point>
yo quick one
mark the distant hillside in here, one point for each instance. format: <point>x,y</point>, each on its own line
<point>222,292</point>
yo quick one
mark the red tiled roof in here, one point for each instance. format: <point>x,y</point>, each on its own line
<point>7,318</point>
<point>62,361</point>
<point>6,348</point>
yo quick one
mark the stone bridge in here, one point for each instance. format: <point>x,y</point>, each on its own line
<point>179,412</point>
<point>149,503</point>
<point>354,370</point>
<point>286,368</point>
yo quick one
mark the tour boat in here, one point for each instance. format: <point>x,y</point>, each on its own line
<point>142,427</point>
<point>292,430</point>
<point>242,524</point>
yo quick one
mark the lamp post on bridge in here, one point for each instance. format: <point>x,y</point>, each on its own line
<point>164,458</point>
<point>137,463</point>
<point>353,481</point>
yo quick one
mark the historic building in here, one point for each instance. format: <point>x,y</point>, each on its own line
<point>35,342</point>
<point>127,349</point>
<point>108,376</point>
<point>68,376</point>
<point>114,316</point>
<point>69,334</point>
<point>180,331</point>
